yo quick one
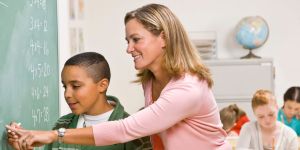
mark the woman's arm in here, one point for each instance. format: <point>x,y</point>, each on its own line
<point>176,103</point>
<point>29,138</point>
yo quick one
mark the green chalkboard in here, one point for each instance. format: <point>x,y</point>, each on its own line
<point>28,64</point>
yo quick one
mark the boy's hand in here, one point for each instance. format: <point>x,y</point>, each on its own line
<point>12,137</point>
<point>28,139</point>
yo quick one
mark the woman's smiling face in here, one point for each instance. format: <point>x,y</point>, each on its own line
<point>145,47</point>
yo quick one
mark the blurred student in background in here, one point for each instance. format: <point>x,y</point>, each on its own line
<point>289,113</point>
<point>266,133</point>
<point>233,118</point>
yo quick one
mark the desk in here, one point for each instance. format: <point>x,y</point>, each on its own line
<point>233,141</point>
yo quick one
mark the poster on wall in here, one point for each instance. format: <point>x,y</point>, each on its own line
<point>76,40</point>
<point>80,40</point>
<point>71,10</point>
<point>73,41</point>
<point>76,32</point>
<point>80,9</point>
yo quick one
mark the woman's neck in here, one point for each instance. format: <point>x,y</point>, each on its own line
<point>160,80</point>
<point>161,76</point>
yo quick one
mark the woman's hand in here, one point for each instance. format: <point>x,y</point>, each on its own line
<point>28,139</point>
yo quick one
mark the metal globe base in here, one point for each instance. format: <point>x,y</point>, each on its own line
<point>250,55</point>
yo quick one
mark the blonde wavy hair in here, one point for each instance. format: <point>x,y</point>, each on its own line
<point>180,55</point>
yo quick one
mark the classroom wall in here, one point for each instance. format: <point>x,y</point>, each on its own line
<point>104,32</point>
<point>64,47</point>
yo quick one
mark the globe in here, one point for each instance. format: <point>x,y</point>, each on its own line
<point>252,32</point>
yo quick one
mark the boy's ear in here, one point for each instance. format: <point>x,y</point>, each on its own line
<point>103,85</point>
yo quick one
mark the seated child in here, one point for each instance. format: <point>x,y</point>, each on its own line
<point>288,114</point>
<point>233,119</point>
<point>266,133</point>
<point>85,78</point>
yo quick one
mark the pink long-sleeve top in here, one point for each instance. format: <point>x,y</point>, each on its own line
<point>185,116</point>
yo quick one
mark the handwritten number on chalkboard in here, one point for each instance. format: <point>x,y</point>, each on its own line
<point>38,4</point>
<point>45,25</point>
<point>40,116</point>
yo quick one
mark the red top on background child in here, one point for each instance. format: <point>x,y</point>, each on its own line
<point>233,118</point>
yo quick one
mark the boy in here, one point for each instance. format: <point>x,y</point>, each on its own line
<point>85,78</point>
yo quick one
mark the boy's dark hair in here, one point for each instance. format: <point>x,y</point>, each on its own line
<point>94,63</point>
<point>292,94</point>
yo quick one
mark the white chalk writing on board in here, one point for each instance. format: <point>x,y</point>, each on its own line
<point>28,65</point>
<point>40,115</point>
<point>42,4</point>
<point>40,71</point>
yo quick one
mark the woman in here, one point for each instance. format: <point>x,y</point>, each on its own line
<point>181,111</point>
<point>266,133</point>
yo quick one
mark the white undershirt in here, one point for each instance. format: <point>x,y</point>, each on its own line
<point>90,120</point>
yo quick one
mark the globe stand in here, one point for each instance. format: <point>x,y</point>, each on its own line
<point>250,55</point>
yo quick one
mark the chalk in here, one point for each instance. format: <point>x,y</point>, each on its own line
<point>18,124</point>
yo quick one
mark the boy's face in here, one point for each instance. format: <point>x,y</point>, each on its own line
<point>81,93</point>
